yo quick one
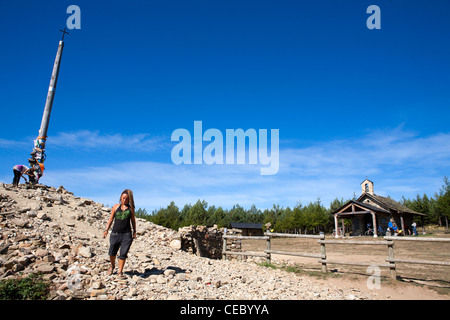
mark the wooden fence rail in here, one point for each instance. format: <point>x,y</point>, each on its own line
<point>388,241</point>
<point>414,261</point>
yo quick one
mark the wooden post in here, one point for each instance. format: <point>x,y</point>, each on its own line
<point>224,248</point>
<point>323,253</point>
<point>336,226</point>
<point>51,92</point>
<point>391,256</point>
<point>423,224</point>
<point>268,246</point>
<point>374,219</point>
<point>402,224</point>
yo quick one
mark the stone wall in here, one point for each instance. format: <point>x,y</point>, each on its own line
<point>234,245</point>
<point>207,242</point>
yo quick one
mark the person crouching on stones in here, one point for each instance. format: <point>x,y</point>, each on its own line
<point>121,236</point>
<point>19,172</point>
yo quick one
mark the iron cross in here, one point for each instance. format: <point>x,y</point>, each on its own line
<point>64,33</point>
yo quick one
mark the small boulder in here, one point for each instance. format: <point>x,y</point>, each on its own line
<point>175,244</point>
<point>85,252</point>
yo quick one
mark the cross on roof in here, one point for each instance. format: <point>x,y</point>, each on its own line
<point>64,33</point>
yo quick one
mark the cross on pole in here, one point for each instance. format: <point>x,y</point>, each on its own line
<point>64,33</point>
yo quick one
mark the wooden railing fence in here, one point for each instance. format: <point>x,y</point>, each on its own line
<point>388,241</point>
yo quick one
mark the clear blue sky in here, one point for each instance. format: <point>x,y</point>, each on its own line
<point>349,102</point>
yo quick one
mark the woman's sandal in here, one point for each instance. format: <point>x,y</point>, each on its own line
<point>120,275</point>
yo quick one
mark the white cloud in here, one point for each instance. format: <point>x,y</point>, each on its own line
<point>10,144</point>
<point>381,152</point>
<point>87,139</point>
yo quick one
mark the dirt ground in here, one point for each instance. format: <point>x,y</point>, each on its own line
<point>414,281</point>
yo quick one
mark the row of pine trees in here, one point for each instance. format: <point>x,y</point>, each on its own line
<point>311,218</point>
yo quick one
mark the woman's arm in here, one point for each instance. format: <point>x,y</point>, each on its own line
<point>133,223</point>
<point>111,219</point>
<point>22,174</point>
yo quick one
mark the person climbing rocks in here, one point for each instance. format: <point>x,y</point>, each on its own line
<point>19,171</point>
<point>123,215</point>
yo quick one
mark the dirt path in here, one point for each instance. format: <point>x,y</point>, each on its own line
<point>345,279</point>
<point>415,282</point>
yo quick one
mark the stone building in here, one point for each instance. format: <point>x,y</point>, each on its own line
<point>373,209</point>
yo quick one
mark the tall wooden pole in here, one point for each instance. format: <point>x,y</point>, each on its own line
<point>51,93</point>
<point>38,154</point>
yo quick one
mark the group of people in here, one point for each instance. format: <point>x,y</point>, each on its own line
<point>34,173</point>
<point>394,230</point>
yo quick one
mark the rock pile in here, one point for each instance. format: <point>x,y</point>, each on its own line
<point>202,241</point>
<point>50,231</point>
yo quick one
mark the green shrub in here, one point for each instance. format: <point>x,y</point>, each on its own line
<point>33,287</point>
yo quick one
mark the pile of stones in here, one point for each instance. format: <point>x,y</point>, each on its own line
<point>52,232</point>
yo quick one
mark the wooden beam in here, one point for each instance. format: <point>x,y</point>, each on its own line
<point>417,239</point>
<point>352,213</point>
<point>245,237</point>
<point>368,242</point>
<point>293,235</point>
<point>412,261</point>
<point>361,207</point>
<point>298,254</point>
<point>362,264</point>
<point>254,254</point>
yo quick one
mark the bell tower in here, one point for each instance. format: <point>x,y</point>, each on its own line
<point>367,187</point>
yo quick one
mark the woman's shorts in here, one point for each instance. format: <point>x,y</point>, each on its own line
<point>122,241</point>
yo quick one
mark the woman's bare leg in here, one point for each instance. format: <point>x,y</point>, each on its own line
<point>121,265</point>
<point>113,264</point>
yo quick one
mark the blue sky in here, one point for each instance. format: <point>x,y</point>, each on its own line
<point>349,102</point>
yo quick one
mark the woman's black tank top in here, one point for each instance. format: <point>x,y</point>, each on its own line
<point>122,220</point>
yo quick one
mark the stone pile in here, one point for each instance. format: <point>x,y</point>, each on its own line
<point>202,241</point>
<point>50,231</point>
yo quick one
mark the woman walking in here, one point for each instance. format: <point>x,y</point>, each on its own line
<point>121,236</point>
